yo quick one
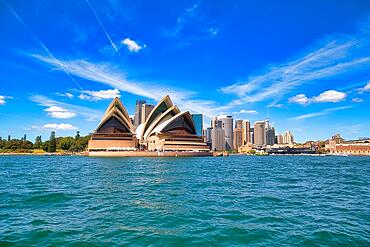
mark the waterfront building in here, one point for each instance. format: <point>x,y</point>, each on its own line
<point>280,139</point>
<point>337,138</point>
<point>208,136</point>
<point>218,139</point>
<point>260,133</point>
<point>115,131</point>
<point>227,125</point>
<point>247,138</point>
<point>138,112</point>
<point>145,111</point>
<point>215,123</point>
<point>198,121</point>
<point>352,148</point>
<point>168,129</point>
<point>288,138</point>
<point>238,134</point>
<point>270,134</point>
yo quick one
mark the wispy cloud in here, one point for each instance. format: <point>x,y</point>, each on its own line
<point>112,76</point>
<point>3,99</point>
<point>328,59</point>
<point>81,34</point>
<point>191,27</point>
<point>88,113</point>
<point>36,38</point>
<point>366,88</point>
<point>243,111</point>
<point>321,113</point>
<point>357,100</point>
<point>103,27</point>
<point>327,96</point>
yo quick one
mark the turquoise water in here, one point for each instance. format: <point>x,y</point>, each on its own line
<point>231,201</point>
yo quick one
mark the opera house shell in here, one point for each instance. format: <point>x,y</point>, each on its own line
<point>166,129</point>
<point>115,131</point>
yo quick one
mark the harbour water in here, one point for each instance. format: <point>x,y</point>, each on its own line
<point>208,201</point>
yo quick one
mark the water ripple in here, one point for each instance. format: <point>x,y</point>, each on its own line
<point>234,201</point>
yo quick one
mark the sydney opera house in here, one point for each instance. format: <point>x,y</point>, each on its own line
<point>165,132</point>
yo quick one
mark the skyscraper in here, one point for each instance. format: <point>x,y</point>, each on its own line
<point>216,123</point>
<point>218,139</point>
<point>260,133</point>
<point>247,138</point>
<point>238,134</point>
<point>288,137</point>
<point>280,139</point>
<point>227,125</point>
<point>138,110</point>
<point>270,134</point>
<point>145,111</point>
<point>198,121</point>
<point>208,135</point>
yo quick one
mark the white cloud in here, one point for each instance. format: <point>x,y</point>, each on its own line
<point>330,96</point>
<point>3,99</point>
<point>62,126</point>
<point>366,88</point>
<point>59,112</point>
<point>327,96</point>
<point>320,113</point>
<point>299,99</point>
<point>90,114</point>
<point>275,104</point>
<point>330,58</point>
<point>69,95</point>
<point>357,100</point>
<point>99,95</point>
<point>132,45</point>
<point>243,111</point>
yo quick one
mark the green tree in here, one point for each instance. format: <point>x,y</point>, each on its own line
<point>53,143</point>
<point>65,143</point>
<point>46,146</point>
<point>26,144</point>
<point>77,135</point>
<point>38,142</point>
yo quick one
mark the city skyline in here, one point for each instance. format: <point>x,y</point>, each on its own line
<point>61,68</point>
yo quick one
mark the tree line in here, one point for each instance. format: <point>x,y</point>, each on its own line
<point>71,144</point>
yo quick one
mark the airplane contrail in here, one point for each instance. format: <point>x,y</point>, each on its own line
<point>12,11</point>
<point>103,27</point>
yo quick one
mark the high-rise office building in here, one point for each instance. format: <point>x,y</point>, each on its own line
<point>145,111</point>
<point>198,121</point>
<point>218,139</point>
<point>247,138</point>
<point>270,134</point>
<point>238,134</point>
<point>208,136</point>
<point>260,133</point>
<point>227,125</point>
<point>288,138</point>
<point>216,123</point>
<point>138,110</point>
<point>280,139</point>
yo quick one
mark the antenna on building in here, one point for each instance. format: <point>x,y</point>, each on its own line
<point>268,113</point>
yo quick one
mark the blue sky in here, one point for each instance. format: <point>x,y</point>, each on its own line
<point>305,63</point>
